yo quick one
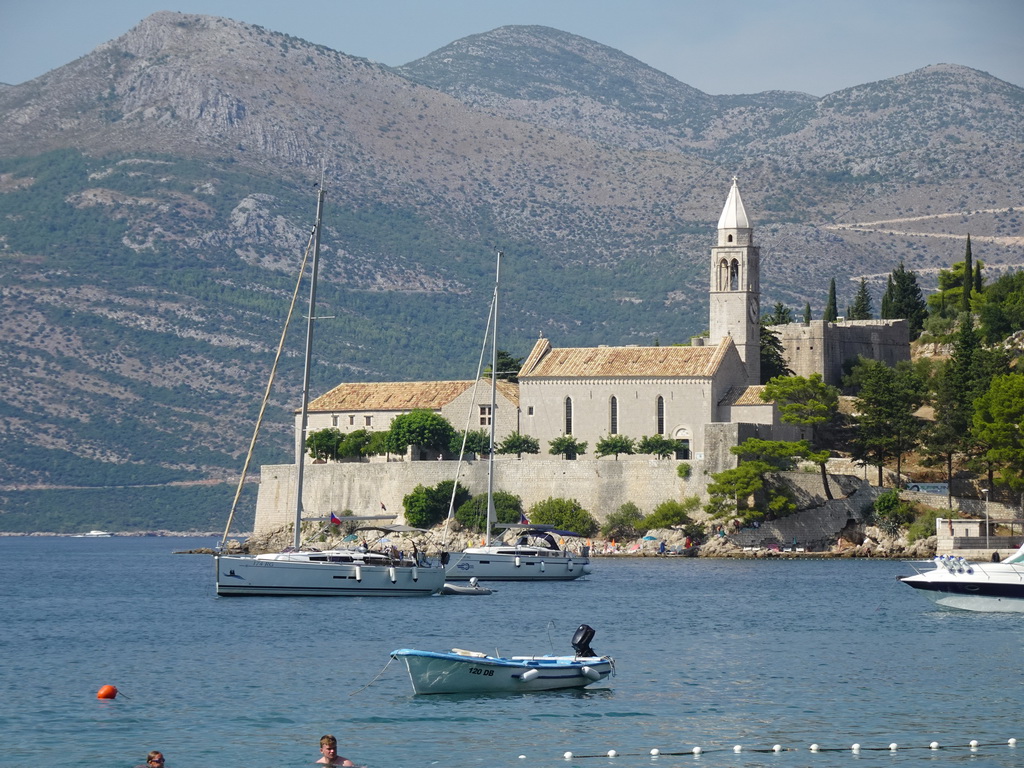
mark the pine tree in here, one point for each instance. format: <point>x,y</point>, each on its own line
<point>965,297</point>
<point>903,299</point>
<point>781,314</point>
<point>831,310</point>
<point>773,360</point>
<point>807,312</point>
<point>861,309</point>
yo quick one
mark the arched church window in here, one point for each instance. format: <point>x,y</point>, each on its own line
<point>728,239</point>
<point>723,275</point>
<point>613,416</point>
<point>568,415</point>
<point>734,276</point>
<point>660,415</point>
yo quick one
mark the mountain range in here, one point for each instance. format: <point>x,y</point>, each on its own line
<point>156,198</point>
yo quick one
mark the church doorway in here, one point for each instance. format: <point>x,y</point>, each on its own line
<point>682,438</point>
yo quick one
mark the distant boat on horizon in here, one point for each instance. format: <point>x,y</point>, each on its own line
<point>93,535</point>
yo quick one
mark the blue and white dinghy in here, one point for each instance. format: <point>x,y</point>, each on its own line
<point>460,671</point>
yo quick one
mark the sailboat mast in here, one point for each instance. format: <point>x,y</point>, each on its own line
<point>494,402</point>
<point>300,453</point>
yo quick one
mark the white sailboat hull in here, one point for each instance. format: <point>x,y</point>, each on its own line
<point>464,672</point>
<point>501,564</point>
<point>254,575</point>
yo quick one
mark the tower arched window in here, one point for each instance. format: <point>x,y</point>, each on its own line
<point>728,239</point>
<point>568,415</point>
<point>734,275</point>
<point>613,416</point>
<point>660,415</point>
<point>723,275</point>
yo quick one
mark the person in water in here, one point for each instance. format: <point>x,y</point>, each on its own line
<point>329,750</point>
<point>154,759</point>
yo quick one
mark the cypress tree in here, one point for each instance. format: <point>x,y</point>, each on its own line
<point>831,311</point>
<point>887,297</point>
<point>977,276</point>
<point>807,312</point>
<point>965,298</point>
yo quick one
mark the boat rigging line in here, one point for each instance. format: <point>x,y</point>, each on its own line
<point>270,386</point>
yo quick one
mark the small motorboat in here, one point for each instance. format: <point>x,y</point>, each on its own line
<point>461,671</point>
<point>955,582</point>
<point>471,588</point>
<point>94,535</point>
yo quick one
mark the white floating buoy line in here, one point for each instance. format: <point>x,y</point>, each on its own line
<point>856,748</point>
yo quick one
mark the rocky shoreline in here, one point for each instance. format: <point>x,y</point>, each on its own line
<point>875,545</point>
<point>122,534</point>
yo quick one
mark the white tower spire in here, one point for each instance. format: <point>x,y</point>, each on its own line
<point>736,285</point>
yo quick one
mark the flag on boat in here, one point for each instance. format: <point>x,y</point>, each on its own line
<point>523,519</point>
<point>335,520</point>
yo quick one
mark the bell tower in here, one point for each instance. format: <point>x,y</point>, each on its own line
<point>736,285</point>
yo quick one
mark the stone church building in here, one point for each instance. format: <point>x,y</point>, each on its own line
<point>593,392</point>
<point>706,395</point>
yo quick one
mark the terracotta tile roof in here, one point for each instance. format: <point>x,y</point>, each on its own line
<point>745,396</point>
<point>546,361</point>
<point>403,395</point>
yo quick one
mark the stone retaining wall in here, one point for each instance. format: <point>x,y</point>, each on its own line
<point>600,486</point>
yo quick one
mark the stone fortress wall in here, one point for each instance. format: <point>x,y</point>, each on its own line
<point>820,347</point>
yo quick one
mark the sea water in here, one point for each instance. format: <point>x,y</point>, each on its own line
<point>709,654</point>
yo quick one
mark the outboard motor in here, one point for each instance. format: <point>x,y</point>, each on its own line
<point>581,640</point>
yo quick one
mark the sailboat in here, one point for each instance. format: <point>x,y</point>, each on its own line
<point>350,572</point>
<point>534,554</point>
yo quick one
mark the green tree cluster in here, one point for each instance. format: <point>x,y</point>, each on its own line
<point>426,506</point>
<point>423,428</point>
<point>564,514</point>
<point>887,424</point>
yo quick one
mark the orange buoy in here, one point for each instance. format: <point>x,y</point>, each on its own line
<point>107,692</point>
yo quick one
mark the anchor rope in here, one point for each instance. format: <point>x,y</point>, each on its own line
<point>375,677</point>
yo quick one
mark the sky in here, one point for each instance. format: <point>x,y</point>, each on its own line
<point>717,46</point>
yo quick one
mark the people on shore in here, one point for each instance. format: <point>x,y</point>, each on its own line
<point>329,752</point>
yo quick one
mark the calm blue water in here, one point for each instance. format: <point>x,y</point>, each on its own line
<point>709,653</point>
